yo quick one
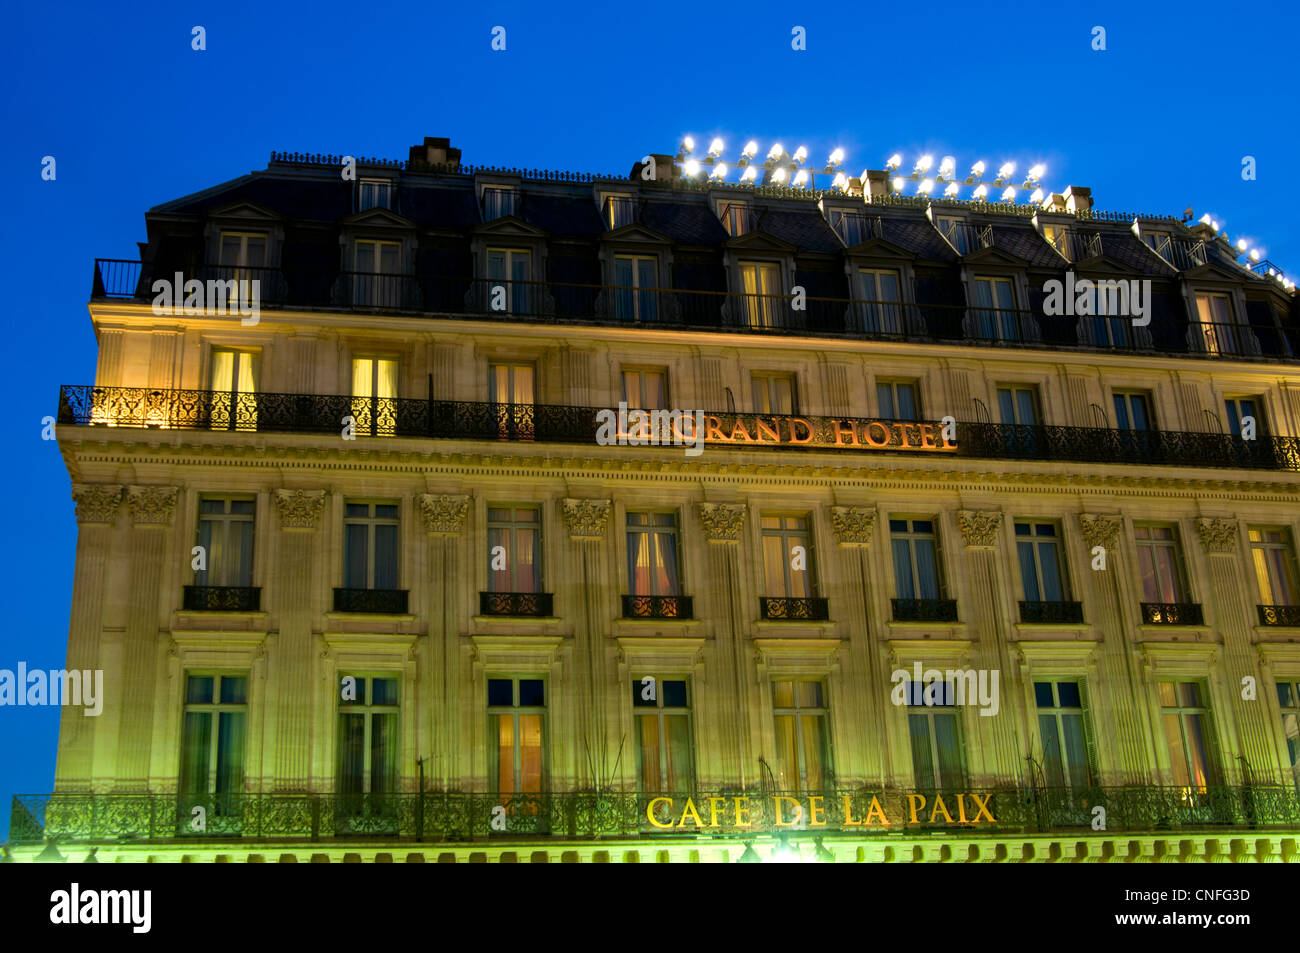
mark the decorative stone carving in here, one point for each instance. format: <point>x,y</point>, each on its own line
<point>299,509</point>
<point>97,502</point>
<point>586,518</point>
<point>853,525</point>
<point>723,522</point>
<point>1099,530</point>
<point>979,528</point>
<point>443,515</point>
<point>1218,536</point>
<point>151,505</point>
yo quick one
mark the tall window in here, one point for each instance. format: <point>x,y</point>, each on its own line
<point>880,309</point>
<point>514,549</point>
<point>1160,563</point>
<point>915,547</point>
<point>996,318</point>
<point>1018,404</point>
<point>1273,556</point>
<point>802,737</point>
<point>636,278</point>
<point>1239,408</point>
<point>898,400</point>
<point>243,255</point>
<point>516,723</point>
<point>762,284</point>
<point>377,282</point>
<point>1288,699</point>
<point>774,394</point>
<point>226,535</point>
<point>663,731</point>
<point>936,738</point>
<point>652,567</point>
<point>367,755</point>
<point>374,193</point>
<point>788,557</point>
<point>234,390</point>
<point>1133,410</point>
<point>1219,332</point>
<point>511,270</point>
<point>370,553</point>
<point>1110,329</point>
<point>212,745</point>
<point>374,393</point>
<point>1062,726</point>
<point>1187,728</point>
<point>1041,569</point>
<point>645,389</point>
<point>510,387</point>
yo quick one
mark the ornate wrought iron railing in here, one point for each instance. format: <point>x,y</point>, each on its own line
<point>1172,613</point>
<point>1279,615</point>
<point>787,608</point>
<point>383,601</point>
<point>1051,612</point>
<point>658,607</point>
<point>222,598</point>
<point>516,603</point>
<point>924,610</point>
<point>451,817</point>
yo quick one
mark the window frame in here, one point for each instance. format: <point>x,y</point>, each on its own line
<point>215,708</point>
<point>368,709</point>
<point>798,713</point>
<point>371,522</point>
<point>660,711</point>
<point>515,710</point>
<point>224,520</point>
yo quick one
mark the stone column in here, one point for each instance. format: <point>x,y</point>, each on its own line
<point>98,505</point>
<point>595,748</point>
<point>724,524</point>
<point>438,672</point>
<point>288,761</point>
<point>151,509</point>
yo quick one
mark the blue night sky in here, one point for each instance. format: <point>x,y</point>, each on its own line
<point>134,117</point>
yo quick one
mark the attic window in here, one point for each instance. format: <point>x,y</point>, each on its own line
<point>854,228</point>
<point>737,218</point>
<point>374,193</point>
<point>1159,242</point>
<point>619,210</point>
<point>1058,237</point>
<point>498,203</point>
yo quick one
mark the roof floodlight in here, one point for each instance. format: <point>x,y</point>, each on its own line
<point>750,175</point>
<point>947,166</point>
<point>1254,254</point>
<point>716,147</point>
<point>840,181</point>
<point>1241,244</point>
<point>801,177</point>
<point>719,171</point>
<point>688,145</point>
<point>1037,196</point>
<point>800,154</point>
<point>836,157</point>
<point>1009,195</point>
<point>1036,172</point>
<point>751,149</point>
<point>981,191</point>
<point>923,164</point>
<point>778,176</point>
<point>692,167</point>
<point>925,187</point>
<point>952,190</point>
<point>1007,171</point>
<point>776,152</point>
<point>898,183</point>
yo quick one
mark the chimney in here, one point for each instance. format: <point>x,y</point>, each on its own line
<point>1054,203</point>
<point>875,185</point>
<point>1077,198</point>
<point>435,151</point>
<point>1203,231</point>
<point>664,169</point>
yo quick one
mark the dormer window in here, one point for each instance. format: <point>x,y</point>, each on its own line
<point>737,218</point>
<point>956,231</point>
<point>1058,237</point>
<point>498,203</point>
<point>1159,243</point>
<point>854,228</point>
<point>374,193</point>
<point>619,210</point>
<point>243,253</point>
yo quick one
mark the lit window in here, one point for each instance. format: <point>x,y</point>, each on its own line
<point>1187,727</point>
<point>635,280</point>
<point>774,393</point>
<point>516,726</point>
<point>234,390</point>
<point>1160,564</point>
<point>763,300</point>
<point>1273,557</point>
<point>514,549</point>
<point>652,554</point>
<point>787,557</point>
<point>879,307</point>
<point>802,738</point>
<point>737,218</point>
<point>665,762</point>
<point>374,395</point>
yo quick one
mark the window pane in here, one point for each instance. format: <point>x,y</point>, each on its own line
<point>531,693</point>
<point>500,692</point>
<point>674,694</point>
<point>199,689</point>
<point>234,690</point>
<point>196,752</point>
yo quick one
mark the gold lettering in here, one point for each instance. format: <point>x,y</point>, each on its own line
<point>838,432</point>
<point>883,441</point>
<point>763,430</point>
<point>927,437</point>
<point>848,812</point>
<point>690,809</point>
<point>776,801</point>
<point>815,809</point>
<point>650,811</point>
<point>742,812</point>
<point>806,425</point>
<point>713,810</point>
<point>902,436</point>
<point>913,806</point>
<point>938,807</point>
<point>961,808</point>
<point>740,429</point>
<point>876,809</point>
<point>713,429</point>
<point>983,805</point>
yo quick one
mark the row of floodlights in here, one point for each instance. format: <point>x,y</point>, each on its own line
<point>946,176</point>
<point>1243,248</point>
<point>784,166</point>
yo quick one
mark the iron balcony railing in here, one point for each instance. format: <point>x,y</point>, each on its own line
<point>684,308</point>
<point>67,818</point>
<point>1051,612</point>
<point>790,609</point>
<point>141,407</point>
<point>658,607</point>
<point>222,598</point>
<point>517,603</point>
<point>1172,613</point>
<point>923,610</point>
<point>382,601</point>
<point>1279,615</point>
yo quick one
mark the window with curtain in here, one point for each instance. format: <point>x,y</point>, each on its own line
<point>226,535</point>
<point>774,393</point>
<point>996,318</point>
<point>1273,556</point>
<point>367,740</point>
<point>377,281</point>
<point>645,389</point>
<point>512,269</point>
<point>374,395</point>
<point>370,551</point>
<point>516,727</point>
<point>620,210</point>
<point>213,735</point>
<point>243,255</point>
<point>802,735</point>
<point>1062,726</point>
<point>374,193</point>
<point>1219,331</point>
<point>787,544</point>
<point>1133,410</point>
<point>1288,699</point>
<point>898,400</point>
<point>1042,570</point>
<point>954,231</point>
<point>498,203</point>
<point>1057,237</point>
<point>1018,404</point>
<point>652,554</point>
<point>762,286</point>
<point>664,756</point>
<point>1187,735</point>
<point>514,549</point>
<point>915,547</point>
<point>879,308</point>
<point>937,760</point>
<point>1160,564</point>
<point>737,218</point>
<point>510,388</point>
<point>1110,330</point>
<point>234,390</point>
<point>635,278</point>
<point>1241,407</point>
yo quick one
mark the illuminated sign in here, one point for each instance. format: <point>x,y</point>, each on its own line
<point>740,813</point>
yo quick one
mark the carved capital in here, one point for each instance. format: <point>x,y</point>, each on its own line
<point>1100,531</point>
<point>979,528</point>
<point>97,502</point>
<point>586,518</point>
<point>299,509</point>
<point>443,515</point>
<point>723,522</point>
<point>853,525</point>
<point>1218,536</point>
<point>151,505</point>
